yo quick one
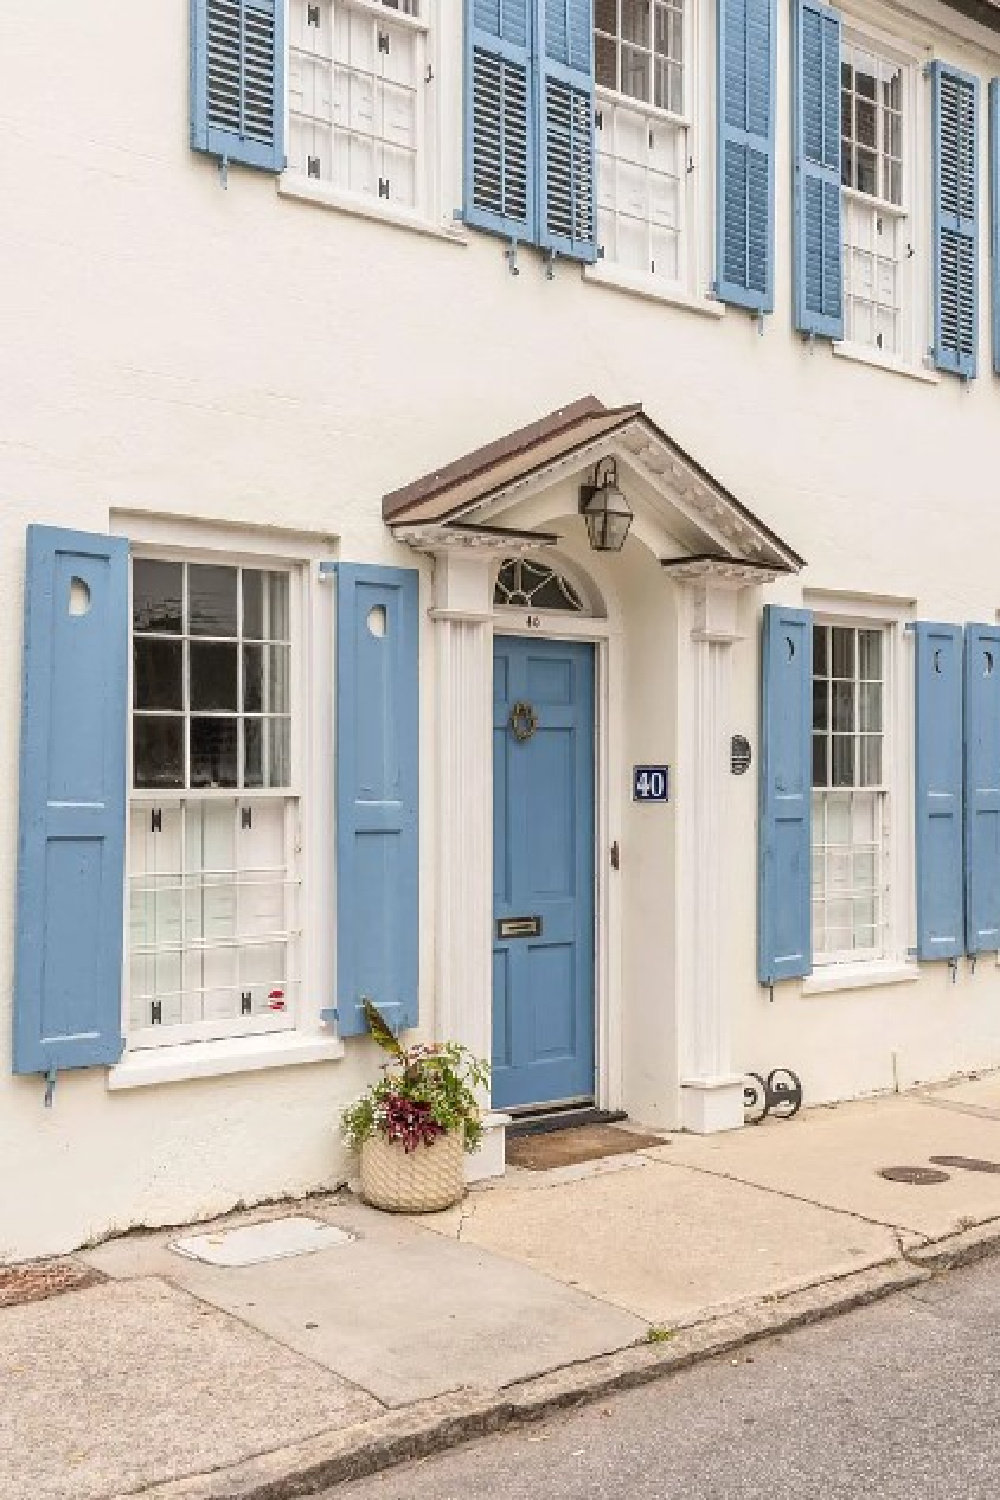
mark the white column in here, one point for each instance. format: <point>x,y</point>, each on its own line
<point>711,1092</point>
<point>462,612</point>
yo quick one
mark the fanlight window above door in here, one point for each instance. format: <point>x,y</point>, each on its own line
<point>523,584</point>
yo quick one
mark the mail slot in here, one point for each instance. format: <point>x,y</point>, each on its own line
<point>519,927</point>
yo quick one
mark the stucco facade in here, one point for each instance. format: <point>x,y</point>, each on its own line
<point>238,369</point>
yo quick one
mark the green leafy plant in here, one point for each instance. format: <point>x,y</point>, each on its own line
<point>425,1091</point>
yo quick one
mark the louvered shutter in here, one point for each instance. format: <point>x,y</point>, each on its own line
<point>499,118</point>
<point>377,784</point>
<point>745,172</point>
<point>566,128</point>
<point>71,844</point>
<point>955,214</point>
<point>784,901</point>
<point>818,274</point>
<point>982,788</point>
<point>995,218</point>
<point>939,672</point>
<point>237,81</point>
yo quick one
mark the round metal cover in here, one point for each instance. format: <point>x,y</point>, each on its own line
<point>919,1176</point>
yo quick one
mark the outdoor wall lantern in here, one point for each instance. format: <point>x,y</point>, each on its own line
<point>605,509</point>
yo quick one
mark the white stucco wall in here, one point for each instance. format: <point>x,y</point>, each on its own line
<point>173,348</point>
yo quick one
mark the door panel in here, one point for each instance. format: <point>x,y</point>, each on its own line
<point>543,862</point>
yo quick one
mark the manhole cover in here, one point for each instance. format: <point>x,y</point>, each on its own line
<point>966,1163</point>
<point>274,1239</point>
<point>919,1176</point>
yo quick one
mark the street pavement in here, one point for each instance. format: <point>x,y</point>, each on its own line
<point>897,1401</point>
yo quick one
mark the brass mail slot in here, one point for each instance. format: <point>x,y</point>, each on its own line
<point>519,927</point>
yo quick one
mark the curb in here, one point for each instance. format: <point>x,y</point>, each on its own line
<point>432,1426</point>
<point>962,1249</point>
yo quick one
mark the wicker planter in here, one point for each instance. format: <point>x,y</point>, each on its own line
<point>417,1182</point>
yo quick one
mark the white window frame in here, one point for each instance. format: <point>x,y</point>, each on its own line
<point>892,618</point>
<point>309,1039</point>
<point>426,215</point>
<point>695,248</point>
<point>914,207</point>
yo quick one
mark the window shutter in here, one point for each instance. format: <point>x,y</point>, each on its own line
<point>784,899</point>
<point>566,128</point>
<point>818,274</point>
<point>995,217</point>
<point>939,789</point>
<point>955,212</point>
<point>377,754</point>
<point>71,843</point>
<point>982,788</point>
<point>745,173</point>
<point>237,81</point>
<point>499,118</point>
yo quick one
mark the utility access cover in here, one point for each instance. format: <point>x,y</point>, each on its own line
<point>919,1176</point>
<point>274,1240</point>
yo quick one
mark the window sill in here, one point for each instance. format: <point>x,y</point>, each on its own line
<point>216,1059</point>
<point>645,286</point>
<point>876,361</point>
<point>865,976</point>
<point>324,196</point>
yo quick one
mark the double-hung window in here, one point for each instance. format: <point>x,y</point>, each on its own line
<point>875,98</point>
<point>358,75</point>
<point>851,814</point>
<point>642,138</point>
<point>213,861</point>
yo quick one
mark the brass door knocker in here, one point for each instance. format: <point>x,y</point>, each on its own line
<point>523,721</point>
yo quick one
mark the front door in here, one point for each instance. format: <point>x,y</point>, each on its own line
<point>543,872</point>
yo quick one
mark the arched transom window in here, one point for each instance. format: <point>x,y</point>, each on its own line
<point>525,584</point>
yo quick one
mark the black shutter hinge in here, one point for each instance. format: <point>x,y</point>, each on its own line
<point>246,1002</point>
<point>246,817</point>
<point>383,187</point>
<point>156,820</point>
<point>50,1087</point>
<point>312,166</point>
<point>156,1013</point>
<point>599,119</point>
<point>383,42</point>
<point>312,15</point>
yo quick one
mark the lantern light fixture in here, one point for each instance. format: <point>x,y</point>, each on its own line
<point>605,509</point>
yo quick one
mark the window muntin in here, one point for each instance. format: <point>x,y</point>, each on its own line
<point>877,238</point>
<point>211,666</point>
<point>213,879</point>
<point>357,97</point>
<point>850,857</point>
<point>523,584</point>
<point>639,51</point>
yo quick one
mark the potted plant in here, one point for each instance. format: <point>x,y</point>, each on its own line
<point>412,1126</point>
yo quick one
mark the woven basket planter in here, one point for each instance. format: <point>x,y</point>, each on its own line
<point>422,1181</point>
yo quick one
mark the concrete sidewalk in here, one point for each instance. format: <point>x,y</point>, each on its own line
<point>198,1381</point>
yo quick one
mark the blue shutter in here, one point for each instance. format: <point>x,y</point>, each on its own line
<point>995,217</point>
<point>784,901</point>
<point>238,81</point>
<point>818,275</point>
<point>71,844</point>
<point>939,653</point>
<point>745,169</point>
<point>982,788</point>
<point>955,214</point>
<point>499,167</point>
<point>377,754</point>
<point>565,84</point>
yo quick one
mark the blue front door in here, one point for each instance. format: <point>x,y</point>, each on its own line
<point>543,872</point>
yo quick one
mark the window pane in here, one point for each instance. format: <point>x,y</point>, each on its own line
<point>820,667</point>
<point>213,676</point>
<point>843,651</point>
<point>253,604</point>
<point>253,679</point>
<point>157,752</point>
<point>819,771</point>
<point>843,760</point>
<point>843,706</point>
<point>156,595</point>
<point>870,704</point>
<point>871,760</point>
<point>635,21</point>
<point>870,655</point>
<point>606,63</point>
<point>253,752</point>
<point>213,752</point>
<point>276,621</point>
<point>635,73</point>
<point>157,678</point>
<point>211,600</point>
<point>821,703</point>
<point>279,668</point>
<point>279,752</point>
<point>606,16</point>
<point>867,171</point>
